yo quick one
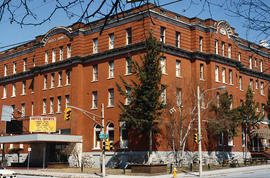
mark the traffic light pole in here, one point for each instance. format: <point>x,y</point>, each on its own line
<point>87,113</point>
<point>199,131</point>
<point>103,140</point>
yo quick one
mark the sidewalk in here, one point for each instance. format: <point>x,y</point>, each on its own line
<point>212,173</point>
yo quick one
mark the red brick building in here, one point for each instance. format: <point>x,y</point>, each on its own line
<point>80,66</point>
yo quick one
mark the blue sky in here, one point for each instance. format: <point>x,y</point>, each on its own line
<point>14,33</point>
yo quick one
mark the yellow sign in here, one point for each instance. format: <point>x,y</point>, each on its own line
<point>42,124</point>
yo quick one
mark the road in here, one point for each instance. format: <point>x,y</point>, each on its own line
<point>27,176</point>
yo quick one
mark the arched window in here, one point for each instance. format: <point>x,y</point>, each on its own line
<point>110,131</point>
<point>97,130</point>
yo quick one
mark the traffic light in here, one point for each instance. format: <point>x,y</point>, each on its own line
<point>196,139</point>
<point>107,145</point>
<point>67,114</point>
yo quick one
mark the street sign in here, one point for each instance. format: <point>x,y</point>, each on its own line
<point>103,136</point>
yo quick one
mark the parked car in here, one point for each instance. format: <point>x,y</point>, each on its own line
<point>5,173</point>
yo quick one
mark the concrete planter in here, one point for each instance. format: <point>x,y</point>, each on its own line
<point>151,169</point>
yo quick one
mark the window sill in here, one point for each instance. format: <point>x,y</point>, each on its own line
<point>94,108</point>
<point>263,94</point>
<point>93,81</point>
<point>13,96</point>
<point>109,78</point>
<point>241,90</point>
<point>231,84</point>
<point>51,88</point>
<point>110,106</point>
<point>164,74</point>
<point>23,94</point>
<point>44,114</point>
<point>67,84</point>
<point>59,112</point>
<point>4,98</point>
<point>127,74</point>
<point>123,148</point>
<point>97,149</point>
<point>217,81</point>
<point>59,86</point>
<point>44,89</point>
<point>179,77</point>
<point>201,79</point>
<point>51,113</point>
<point>231,145</point>
<point>32,92</point>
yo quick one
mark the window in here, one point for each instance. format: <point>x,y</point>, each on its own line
<point>23,110</point>
<point>163,96</point>
<point>44,106</point>
<point>163,65</point>
<point>123,135</point>
<point>178,68</point>
<point>4,91</point>
<point>52,80</point>
<point>231,105</point>
<point>14,67</point>
<point>229,51</point>
<point>162,34</point>
<point>250,62</point>
<point>241,102</point>
<point>221,139</point>
<point>32,108</point>
<point>216,46</point>
<point>34,61</point>
<point>23,87</point>
<point>95,45</point>
<point>128,66</point>
<point>111,97</point>
<point>222,48</point>
<point>217,99</point>
<point>61,56</point>
<point>240,83</point>
<point>201,72</point>
<point>67,101</point>
<point>51,105</point>
<point>201,44</point>
<point>257,84</point>
<point>128,36</point>
<point>32,85</point>
<point>251,83</point>
<point>262,90</point>
<point>67,77</point>
<point>216,74</point>
<point>13,90</point>
<point>177,39</point>
<point>5,69</point>
<point>59,104</point>
<point>111,69</point>
<point>128,99</point>
<point>97,130</point>
<point>230,77</point>
<point>59,79</point>
<point>230,141</point>
<point>53,55</point>
<point>239,56</point>
<point>46,57</point>
<point>45,82</point>
<point>68,51</point>
<point>24,64</point>
<point>111,41</point>
<point>255,62</point>
<point>263,105</point>
<point>95,72</point>
<point>178,97</point>
<point>223,73</point>
<point>110,132</point>
<point>243,138</point>
<point>261,66</point>
<point>94,100</point>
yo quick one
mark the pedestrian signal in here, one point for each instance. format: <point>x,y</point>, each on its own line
<point>196,139</point>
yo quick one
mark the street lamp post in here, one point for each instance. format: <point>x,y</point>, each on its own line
<point>199,97</point>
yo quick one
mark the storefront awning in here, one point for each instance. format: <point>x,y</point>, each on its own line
<point>262,133</point>
<point>40,138</point>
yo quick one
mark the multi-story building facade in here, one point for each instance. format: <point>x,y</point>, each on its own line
<point>79,65</point>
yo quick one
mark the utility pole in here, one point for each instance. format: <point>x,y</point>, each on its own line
<point>199,131</point>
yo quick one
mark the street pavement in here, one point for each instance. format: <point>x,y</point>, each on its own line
<point>230,172</point>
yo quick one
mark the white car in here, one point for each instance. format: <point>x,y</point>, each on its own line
<point>5,173</point>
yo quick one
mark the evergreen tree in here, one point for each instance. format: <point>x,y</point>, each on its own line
<point>144,107</point>
<point>226,119</point>
<point>250,118</point>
